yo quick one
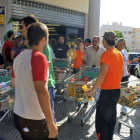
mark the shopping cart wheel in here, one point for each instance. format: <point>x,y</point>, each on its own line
<point>70,119</point>
<point>131,132</point>
<point>82,122</point>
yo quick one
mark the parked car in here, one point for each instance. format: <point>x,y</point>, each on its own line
<point>131,64</point>
<point>137,71</point>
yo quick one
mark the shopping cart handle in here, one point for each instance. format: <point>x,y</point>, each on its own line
<point>93,66</point>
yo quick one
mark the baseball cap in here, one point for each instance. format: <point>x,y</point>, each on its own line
<point>110,35</point>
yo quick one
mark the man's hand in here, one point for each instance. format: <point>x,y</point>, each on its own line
<point>135,59</point>
<point>53,130</point>
<point>89,92</point>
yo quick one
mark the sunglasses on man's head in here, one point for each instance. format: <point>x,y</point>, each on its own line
<point>21,26</point>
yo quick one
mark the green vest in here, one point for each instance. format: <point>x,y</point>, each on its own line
<point>47,52</point>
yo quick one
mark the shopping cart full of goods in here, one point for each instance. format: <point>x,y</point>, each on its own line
<point>76,86</point>
<point>6,94</point>
<point>130,98</point>
<point>62,71</point>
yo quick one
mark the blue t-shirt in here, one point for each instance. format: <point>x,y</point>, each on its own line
<point>17,50</point>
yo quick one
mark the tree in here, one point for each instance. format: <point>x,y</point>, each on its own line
<point>120,35</point>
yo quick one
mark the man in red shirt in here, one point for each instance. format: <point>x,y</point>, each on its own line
<point>6,51</point>
<point>33,116</point>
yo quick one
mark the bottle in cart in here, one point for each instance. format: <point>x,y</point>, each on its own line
<point>85,88</point>
<point>72,88</point>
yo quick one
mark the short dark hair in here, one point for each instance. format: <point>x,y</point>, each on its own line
<point>61,36</point>
<point>36,32</point>
<point>88,40</point>
<point>110,42</point>
<point>29,20</point>
<point>96,37</point>
<point>10,33</point>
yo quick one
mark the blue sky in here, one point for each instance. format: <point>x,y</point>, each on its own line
<point>125,11</point>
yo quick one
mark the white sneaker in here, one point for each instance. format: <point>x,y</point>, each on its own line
<point>124,110</point>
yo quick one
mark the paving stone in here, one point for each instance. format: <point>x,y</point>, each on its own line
<point>74,130</point>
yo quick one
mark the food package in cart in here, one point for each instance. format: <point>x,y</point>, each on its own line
<point>4,88</point>
<point>10,102</point>
<point>75,88</point>
<point>129,97</point>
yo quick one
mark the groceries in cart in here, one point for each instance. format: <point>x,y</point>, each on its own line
<point>7,101</point>
<point>130,96</point>
<point>76,89</point>
<point>61,74</point>
<point>4,88</point>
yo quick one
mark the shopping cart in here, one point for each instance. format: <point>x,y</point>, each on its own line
<point>74,91</point>
<point>130,98</point>
<point>62,71</point>
<point>6,94</point>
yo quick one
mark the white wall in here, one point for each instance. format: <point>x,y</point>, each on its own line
<point>123,29</point>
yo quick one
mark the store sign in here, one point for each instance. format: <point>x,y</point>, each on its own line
<point>2,15</point>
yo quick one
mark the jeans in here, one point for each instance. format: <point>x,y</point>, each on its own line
<point>37,129</point>
<point>1,138</point>
<point>52,97</point>
<point>106,114</point>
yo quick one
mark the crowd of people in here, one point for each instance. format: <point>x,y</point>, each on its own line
<point>32,58</point>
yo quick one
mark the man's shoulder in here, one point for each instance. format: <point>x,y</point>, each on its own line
<point>89,47</point>
<point>66,45</point>
<point>102,48</point>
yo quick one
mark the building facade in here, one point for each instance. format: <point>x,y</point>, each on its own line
<point>71,18</point>
<point>126,31</point>
<point>136,38</point>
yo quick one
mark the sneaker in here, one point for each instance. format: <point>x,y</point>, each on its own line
<point>124,110</point>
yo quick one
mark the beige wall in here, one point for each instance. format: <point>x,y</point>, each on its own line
<point>136,37</point>
<point>8,4</point>
<point>77,5</point>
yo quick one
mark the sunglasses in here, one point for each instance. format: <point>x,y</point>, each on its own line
<point>94,41</point>
<point>21,26</point>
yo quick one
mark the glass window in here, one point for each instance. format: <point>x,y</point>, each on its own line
<point>16,27</point>
<point>72,34</point>
<point>125,32</point>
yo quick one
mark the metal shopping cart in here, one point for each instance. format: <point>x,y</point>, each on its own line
<point>130,97</point>
<point>6,94</point>
<point>74,92</point>
<point>62,71</point>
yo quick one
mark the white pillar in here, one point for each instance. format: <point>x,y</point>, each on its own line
<point>94,18</point>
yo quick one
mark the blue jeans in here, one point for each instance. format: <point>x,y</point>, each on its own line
<point>1,138</point>
<point>52,97</point>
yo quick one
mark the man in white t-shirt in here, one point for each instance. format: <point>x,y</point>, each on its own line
<point>121,43</point>
<point>33,116</point>
<point>121,47</point>
<point>93,53</point>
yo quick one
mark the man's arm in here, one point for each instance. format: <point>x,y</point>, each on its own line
<point>2,66</point>
<point>84,61</point>
<point>3,55</point>
<point>12,55</point>
<point>44,100</point>
<point>13,82</point>
<point>100,78</point>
